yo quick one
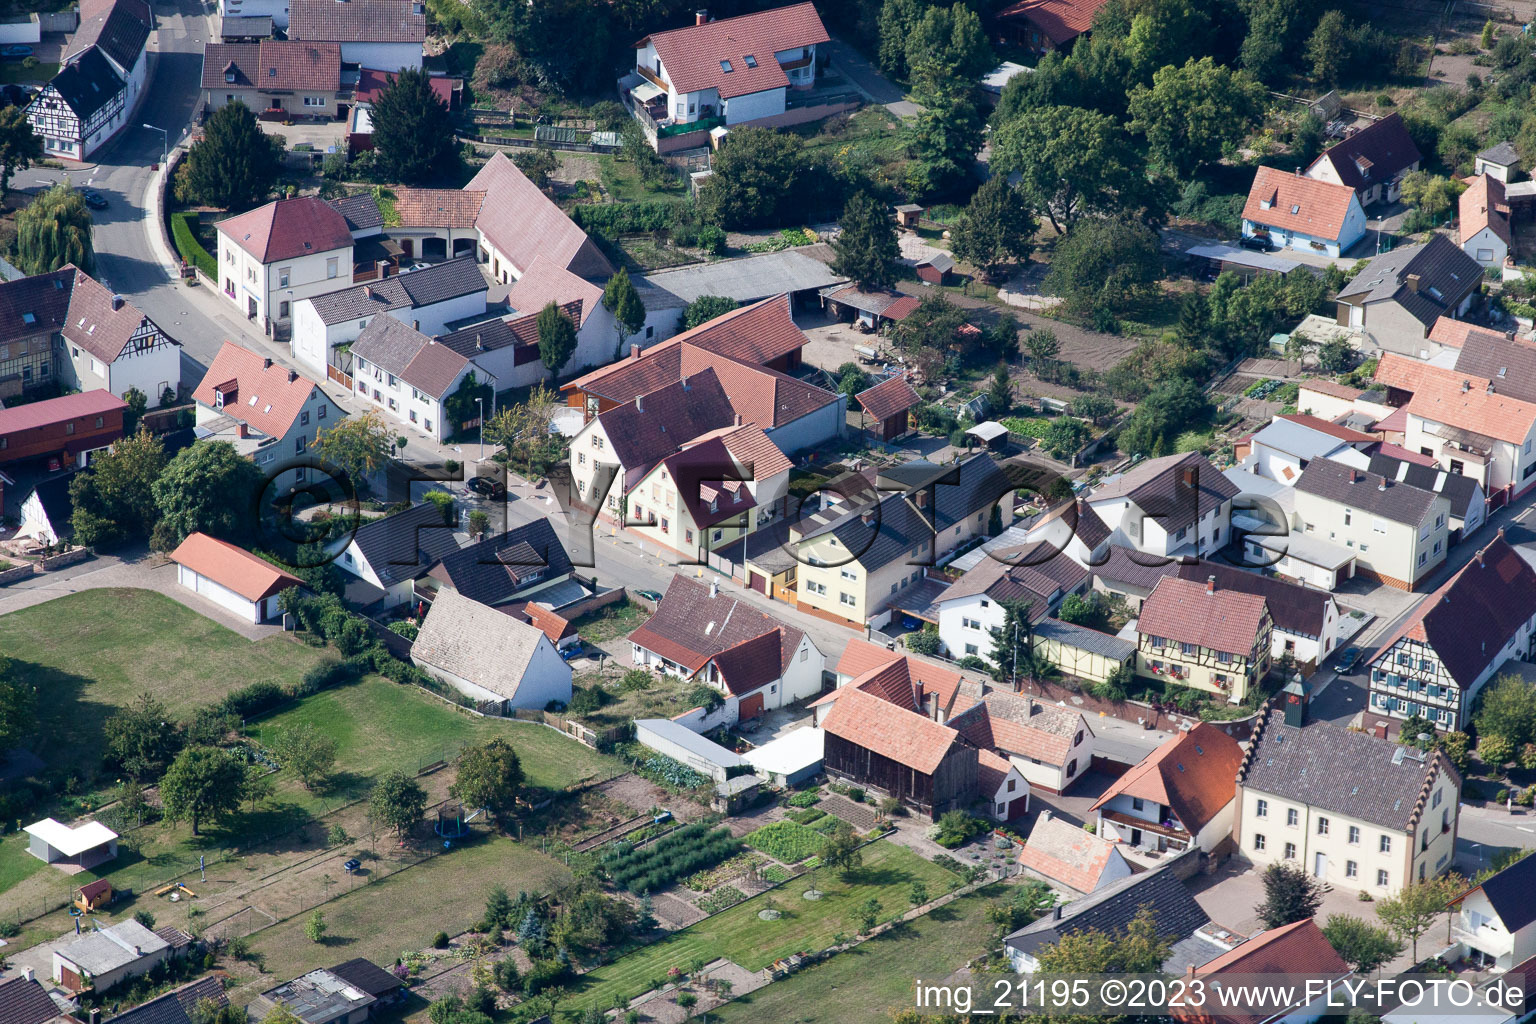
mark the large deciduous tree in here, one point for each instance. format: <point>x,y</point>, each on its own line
<point>114,500</point>
<point>1071,161</point>
<point>235,165</point>
<point>397,802</point>
<point>1104,264</point>
<point>142,737</point>
<point>55,230</point>
<point>202,783</point>
<point>490,776</point>
<point>412,130</point>
<point>20,146</point>
<point>1290,895</point>
<point>866,247</point>
<point>756,180</point>
<point>359,446</point>
<point>995,228</point>
<point>208,488</point>
<point>1363,946</point>
<point>1191,115</point>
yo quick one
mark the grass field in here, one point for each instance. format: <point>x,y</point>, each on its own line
<point>93,652</point>
<point>739,935</point>
<point>378,724</point>
<point>877,975</point>
<point>404,911</point>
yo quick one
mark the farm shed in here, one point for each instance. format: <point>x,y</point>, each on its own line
<point>53,842</point>
<point>684,745</point>
<point>790,760</point>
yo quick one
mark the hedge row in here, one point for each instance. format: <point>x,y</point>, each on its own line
<point>189,247</point>
<point>690,849</point>
<point>614,219</point>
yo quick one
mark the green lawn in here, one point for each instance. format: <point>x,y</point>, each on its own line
<point>403,911</point>
<point>624,185</point>
<point>877,975</point>
<point>12,71</point>
<point>739,935</point>
<point>93,652</point>
<point>378,724</point>
<point>611,622</point>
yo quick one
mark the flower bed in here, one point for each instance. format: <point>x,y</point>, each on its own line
<point>785,841</point>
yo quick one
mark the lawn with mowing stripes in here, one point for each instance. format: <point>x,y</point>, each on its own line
<point>740,936</point>
<point>875,976</point>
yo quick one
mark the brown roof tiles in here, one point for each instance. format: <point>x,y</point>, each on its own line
<point>1186,612</point>
<point>1194,774</point>
<point>287,229</point>
<point>696,57</point>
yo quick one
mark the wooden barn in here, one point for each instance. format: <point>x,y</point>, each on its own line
<point>888,404</point>
<point>879,745</point>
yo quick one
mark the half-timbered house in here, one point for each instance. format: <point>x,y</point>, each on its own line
<point>102,80</point>
<point>1204,637</point>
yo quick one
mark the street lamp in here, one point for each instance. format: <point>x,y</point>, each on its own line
<point>480,401</point>
<point>165,139</point>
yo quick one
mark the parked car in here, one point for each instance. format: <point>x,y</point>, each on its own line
<point>1348,659</point>
<point>95,200</point>
<point>649,595</point>
<point>418,265</point>
<point>1257,244</point>
<point>15,51</point>
<point>488,487</point>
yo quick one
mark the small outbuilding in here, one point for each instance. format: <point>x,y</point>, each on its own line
<point>885,408</point>
<point>991,434</point>
<point>936,269</point>
<point>1500,161</point>
<point>908,214</point>
<point>72,849</point>
<point>103,958</point>
<point>790,760</point>
<point>231,577</point>
<point>92,896</point>
<point>682,744</point>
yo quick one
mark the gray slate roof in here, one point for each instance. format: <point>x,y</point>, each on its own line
<point>361,211</point>
<point>175,1007</point>
<point>1085,639</point>
<point>1510,893</point>
<point>368,976</point>
<point>87,83</point>
<point>1331,768</point>
<point>1502,153</point>
<point>1461,490</point>
<point>1510,365</point>
<point>1163,490</point>
<point>405,545</point>
<point>1369,492</point>
<point>476,642</point>
<point>1446,275</point>
<point>1112,908</point>
<point>1130,568</point>
<point>437,283</point>
<point>747,279</point>
<point>498,567</point>
<point>23,1001</point>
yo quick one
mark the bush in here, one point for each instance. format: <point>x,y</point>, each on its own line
<point>440,940</point>
<point>809,798</point>
<point>190,249</point>
<point>614,219</point>
<point>252,700</point>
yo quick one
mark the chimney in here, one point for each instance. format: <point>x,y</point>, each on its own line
<point>1188,476</point>
<point>367,291</point>
<point>1466,386</point>
<point>1045,815</point>
<point>1383,485</point>
<point>685,383</point>
<point>1413,282</point>
<point>714,588</point>
<point>243,430</point>
<point>415,325</point>
<point>1056,912</point>
<point>867,517</point>
<point>639,403</point>
<point>1489,389</point>
<point>1352,476</point>
<point>117,302</point>
<point>738,419</point>
<point>1034,709</point>
<point>1500,534</point>
<point>293,375</point>
<point>479,345</point>
<point>635,351</point>
<point>95,1017</point>
<point>1509,335</point>
<point>266,364</point>
<point>922,498</point>
<point>1298,172</point>
<point>1210,584</point>
<point>26,972</point>
<point>701,16</point>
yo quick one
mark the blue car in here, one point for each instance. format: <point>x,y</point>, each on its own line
<point>1348,659</point>
<point>15,51</point>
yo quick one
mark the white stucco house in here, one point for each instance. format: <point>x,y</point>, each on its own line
<point>275,255</point>
<point>231,577</point>
<point>1494,923</point>
<point>407,375</point>
<point>1171,506</point>
<point>385,35</point>
<point>1180,795</point>
<point>489,655</point>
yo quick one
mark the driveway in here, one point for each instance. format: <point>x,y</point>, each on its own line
<point>868,80</point>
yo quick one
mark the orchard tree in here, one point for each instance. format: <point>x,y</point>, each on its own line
<point>995,228</point>
<point>53,231</point>
<point>413,131</point>
<point>840,851</point>
<point>311,754</point>
<point>1193,114</point>
<point>202,783</point>
<point>866,248</point>
<point>705,308</point>
<point>557,337</point>
<point>142,737</point>
<point>235,165</point>
<point>1070,161</point>
<point>20,146</point>
<point>114,500</point>
<point>1105,264</point>
<point>490,776</point>
<point>207,488</point>
<point>756,180</point>
<point>397,802</point>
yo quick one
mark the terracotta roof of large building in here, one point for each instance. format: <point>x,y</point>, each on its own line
<point>1471,617</point>
<point>1481,206</point>
<point>35,305</point>
<point>1334,769</point>
<point>357,21</point>
<point>861,656</point>
<point>1060,20</point>
<point>735,56</point>
<point>1184,611</point>
<point>272,65</point>
<point>288,228</point>
<point>1298,949</point>
<point>438,207</point>
<point>1066,853</point>
<point>1374,155</point>
<point>255,390</point>
<point>1293,607</point>
<point>118,28</point>
<point>545,281</point>
<point>695,623</point>
<point>906,737</point>
<point>890,397</point>
<point>371,83</point>
<point>754,450</point>
<point>410,355</point>
<point>1022,726</point>
<point>1192,773</point>
<point>1454,333</point>
<point>251,577</point>
<point>523,223</point>
<point>1291,202</point>
<point>1458,399</point>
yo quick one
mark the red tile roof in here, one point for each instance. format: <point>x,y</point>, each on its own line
<point>523,223</point>
<point>890,397</point>
<point>1335,390</point>
<point>1182,611</point>
<point>694,57</point>
<point>1066,853</point>
<point>860,656</point>
<point>263,395</point>
<point>553,626</point>
<point>371,82</point>
<point>1280,199</point>
<point>904,736</point>
<point>288,228</point>
<point>1439,395</point>
<point>437,207</point>
<point>1292,950</point>
<point>1060,21</point>
<point>1483,206</point>
<point>1402,454</point>
<point>545,281</point>
<point>1328,427</point>
<point>251,577</point>
<point>49,411</point>
<point>1193,773</point>
<point>1454,333</point>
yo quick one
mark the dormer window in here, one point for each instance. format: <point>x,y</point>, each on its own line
<point>271,72</point>
<point>725,66</point>
<point>229,77</point>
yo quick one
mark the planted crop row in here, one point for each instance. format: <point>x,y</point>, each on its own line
<point>690,849</point>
